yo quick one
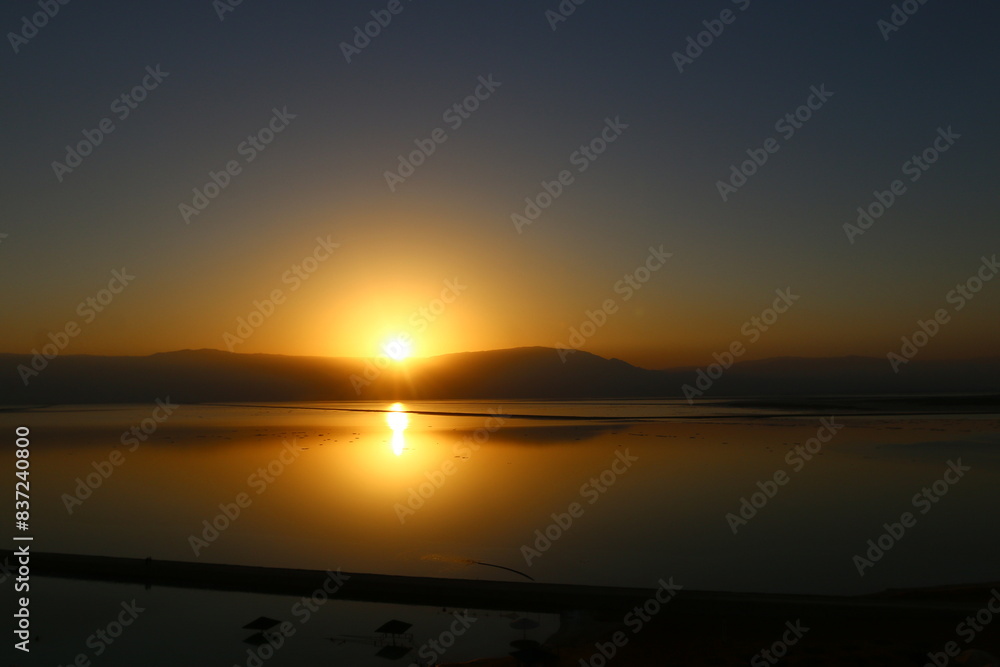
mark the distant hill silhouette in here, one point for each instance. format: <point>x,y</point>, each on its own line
<point>190,376</point>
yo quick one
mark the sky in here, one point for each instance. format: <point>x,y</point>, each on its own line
<point>324,244</point>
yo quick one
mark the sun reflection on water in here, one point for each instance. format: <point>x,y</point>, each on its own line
<point>398,421</point>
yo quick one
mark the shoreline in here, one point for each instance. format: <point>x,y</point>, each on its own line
<point>489,594</point>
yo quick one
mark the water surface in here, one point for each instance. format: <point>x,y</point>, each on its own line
<point>374,487</point>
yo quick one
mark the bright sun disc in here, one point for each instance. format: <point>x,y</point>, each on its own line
<point>397,348</point>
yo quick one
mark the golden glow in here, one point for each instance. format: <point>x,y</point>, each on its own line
<point>398,421</point>
<point>398,348</point>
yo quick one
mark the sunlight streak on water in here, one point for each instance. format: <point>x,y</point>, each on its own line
<point>398,421</point>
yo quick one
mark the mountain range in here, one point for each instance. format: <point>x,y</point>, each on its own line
<point>191,376</point>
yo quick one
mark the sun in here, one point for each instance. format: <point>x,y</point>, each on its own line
<point>398,348</point>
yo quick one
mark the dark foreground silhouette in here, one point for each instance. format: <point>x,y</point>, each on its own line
<point>192,376</point>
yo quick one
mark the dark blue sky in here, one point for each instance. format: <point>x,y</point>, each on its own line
<point>656,184</point>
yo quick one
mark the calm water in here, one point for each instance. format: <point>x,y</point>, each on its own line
<point>184,627</point>
<point>402,493</point>
<point>376,487</point>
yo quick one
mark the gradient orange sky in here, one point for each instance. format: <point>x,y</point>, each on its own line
<point>374,287</point>
<point>656,184</point>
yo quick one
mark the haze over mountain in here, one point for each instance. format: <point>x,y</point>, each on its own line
<point>190,376</point>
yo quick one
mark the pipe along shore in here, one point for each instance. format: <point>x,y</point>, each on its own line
<point>489,594</point>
